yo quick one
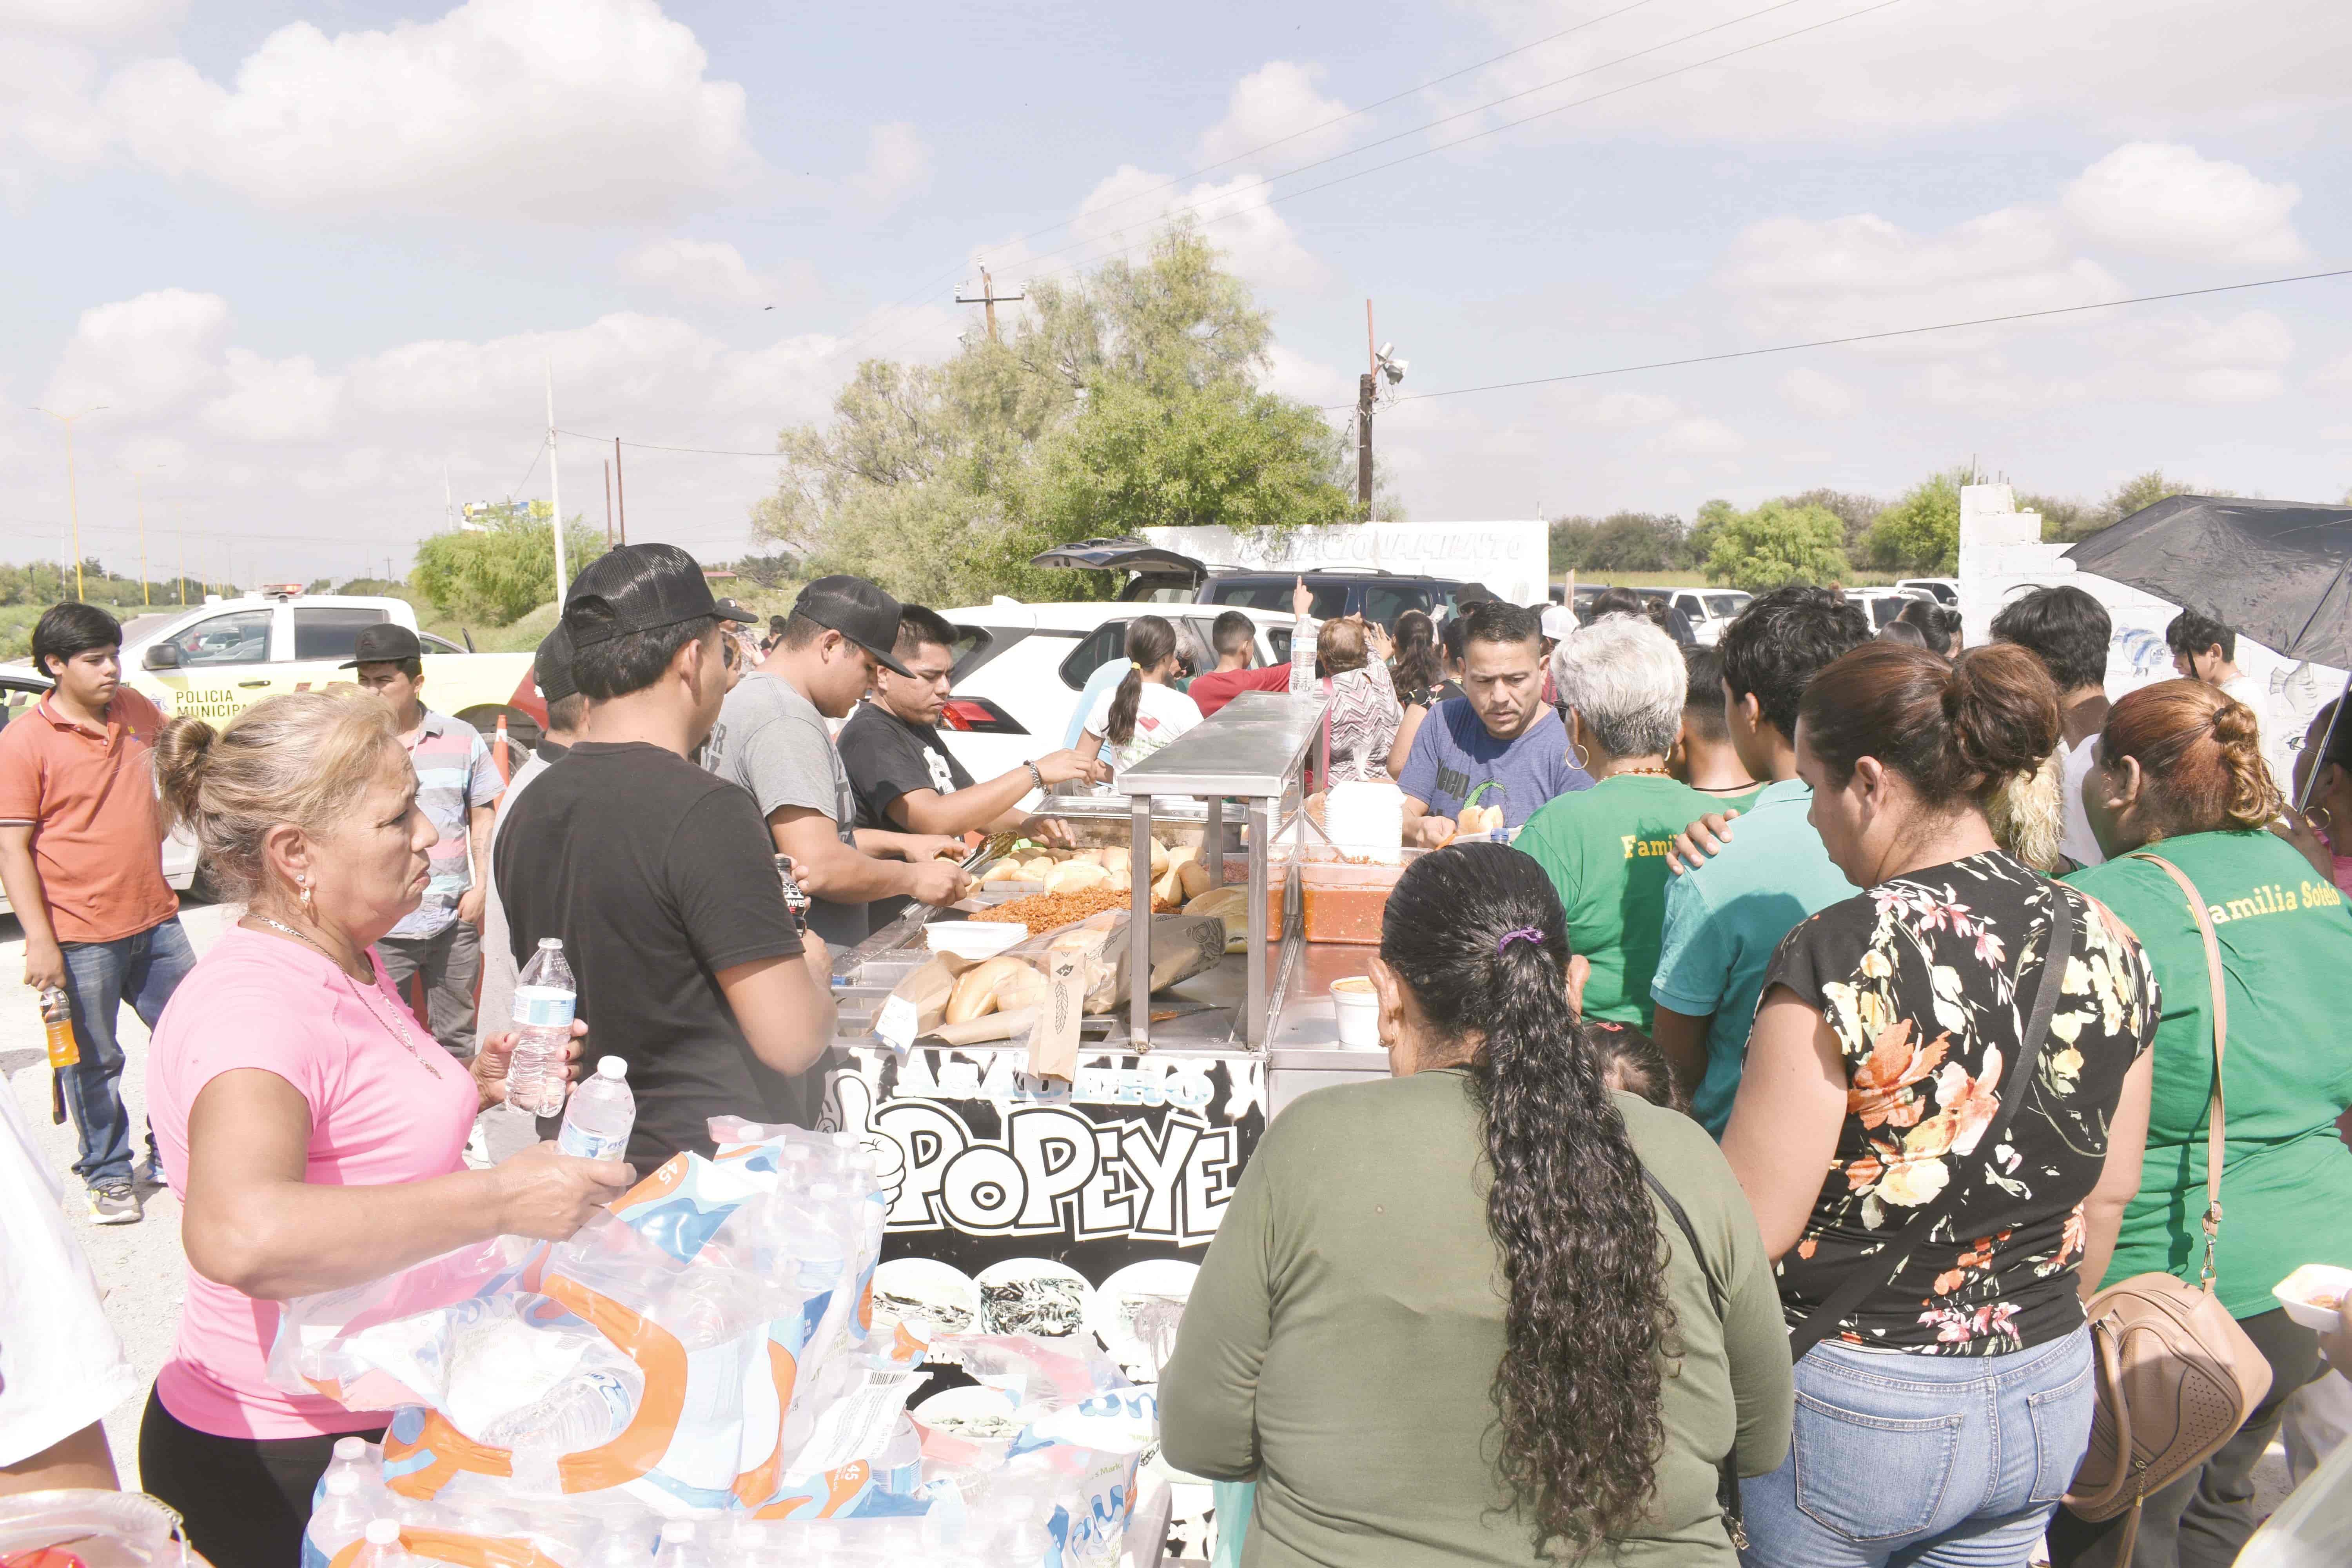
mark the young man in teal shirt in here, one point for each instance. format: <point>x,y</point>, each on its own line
<point>1726,916</point>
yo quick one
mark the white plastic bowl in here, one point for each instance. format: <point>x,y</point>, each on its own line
<point>974,939</point>
<point>2296,1293</point>
<point>1358,1008</point>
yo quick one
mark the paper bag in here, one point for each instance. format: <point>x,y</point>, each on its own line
<point>1054,1043</point>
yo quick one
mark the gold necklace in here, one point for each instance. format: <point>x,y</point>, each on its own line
<point>398,1030</point>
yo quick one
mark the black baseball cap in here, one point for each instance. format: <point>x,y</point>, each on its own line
<point>859,611</point>
<point>550,667</point>
<point>640,588</point>
<point>383,643</point>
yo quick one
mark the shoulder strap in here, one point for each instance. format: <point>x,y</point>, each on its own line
<point>1715,1297</point>
<point>1824,1319</point>
<point>2215,1142</point>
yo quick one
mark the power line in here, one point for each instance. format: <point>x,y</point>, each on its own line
<point>1262,147</point>
<point>1863,337</point>
<point>1196,209</point>
<point>650,447</point>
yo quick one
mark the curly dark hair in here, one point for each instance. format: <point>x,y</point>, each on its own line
<point>1578,1387</point>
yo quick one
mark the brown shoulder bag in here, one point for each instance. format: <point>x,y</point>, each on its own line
<point>2176,1377</point>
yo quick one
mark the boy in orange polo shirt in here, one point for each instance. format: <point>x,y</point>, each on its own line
<point>81,854</point>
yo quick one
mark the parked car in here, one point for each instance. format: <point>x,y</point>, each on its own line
<point>1946,590</point>
<point>1020,668</point>
<point>1710,609</point>
<point>1882,605</point>
<point>19,690</point>
<point>1167,576</point>
<point>218,658</point>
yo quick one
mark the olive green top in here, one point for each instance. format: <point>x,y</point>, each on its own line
<point>1340,1346</point>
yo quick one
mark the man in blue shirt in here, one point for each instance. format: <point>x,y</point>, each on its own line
<point>1498,743</point>
<point>1725,917</point>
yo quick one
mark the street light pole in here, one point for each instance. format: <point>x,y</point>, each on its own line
<point>139,484</point>
<point>73,491</point>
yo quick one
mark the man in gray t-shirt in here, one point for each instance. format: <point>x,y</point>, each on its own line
<point>771,739</point>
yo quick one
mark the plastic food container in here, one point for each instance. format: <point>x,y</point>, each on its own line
<point>1344,901</point>
<point>2307,1295</point>
<point>1357,1007</point>
<point>974,939</point>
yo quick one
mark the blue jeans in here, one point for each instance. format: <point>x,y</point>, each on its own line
<point>142,970</point>
<point>1933,1461</point>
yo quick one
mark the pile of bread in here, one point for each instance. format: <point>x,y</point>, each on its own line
<point>1176,875</point>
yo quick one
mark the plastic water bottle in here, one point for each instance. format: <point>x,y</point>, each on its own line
<point>352,1459</point>
<point>56,1022</point>
<point>596,1123</point>
<point>543,1000</point>
<point>382,1549</point>
<point>342,1518</point>
<point>584,1410</point>
<point>679,1549</point>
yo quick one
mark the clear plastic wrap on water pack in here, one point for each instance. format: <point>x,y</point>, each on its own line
<point>703,1353</point>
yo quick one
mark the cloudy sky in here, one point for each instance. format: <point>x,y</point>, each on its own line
<point>313,255</point>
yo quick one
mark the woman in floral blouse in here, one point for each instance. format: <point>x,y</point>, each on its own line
<point>1940,1417</point>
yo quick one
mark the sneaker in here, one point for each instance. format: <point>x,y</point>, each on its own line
<point>150,1171</point>
<point>113,1205</point>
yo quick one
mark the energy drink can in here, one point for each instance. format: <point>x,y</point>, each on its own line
<point>795,900</point>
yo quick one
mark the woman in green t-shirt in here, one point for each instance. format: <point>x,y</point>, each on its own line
<point>2179,773</point>
<point>1605,848</point>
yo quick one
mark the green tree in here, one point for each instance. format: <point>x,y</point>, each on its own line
<point>1856,511</point>
<point>1921,532</point>
<point>502,571</point>
<point>1126,397</point>
<point>1216,454</point>
<point>1775,544</point>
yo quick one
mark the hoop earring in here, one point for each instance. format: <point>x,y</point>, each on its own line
<point>1577,757</point>
<point>305,884</point>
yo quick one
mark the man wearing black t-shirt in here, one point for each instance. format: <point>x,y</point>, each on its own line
<point>905,778</point>
<point>659,877</point>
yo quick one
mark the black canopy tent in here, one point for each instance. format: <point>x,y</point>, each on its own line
<point>2277,572</point>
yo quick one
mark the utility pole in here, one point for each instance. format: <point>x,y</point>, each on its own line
<point>990,298</point>
<point>139,485</point>
<point>182,533</point>
<point>73,492</point>
<point>1367,387</point>
<point>621,488</point>
<point>555,492</point>
<point>448,500</point>
<point>608,502</point>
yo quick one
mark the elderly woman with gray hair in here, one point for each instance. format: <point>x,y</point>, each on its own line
<point>1622,680</point>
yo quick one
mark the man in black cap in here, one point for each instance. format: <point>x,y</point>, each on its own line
<point>771,739</point>
<point>457,787</point>
<point>658,877</point>
<point>550,671</point>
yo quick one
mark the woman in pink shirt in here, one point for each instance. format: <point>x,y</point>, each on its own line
<point>313,1129</point>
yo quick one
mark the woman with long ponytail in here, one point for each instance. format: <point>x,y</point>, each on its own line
<point>1143,712</point>
<point>1486,1310</point>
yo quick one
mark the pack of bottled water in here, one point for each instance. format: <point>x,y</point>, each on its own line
<point>692,1381</point>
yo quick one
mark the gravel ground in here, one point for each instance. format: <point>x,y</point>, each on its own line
<point>140,1267</point>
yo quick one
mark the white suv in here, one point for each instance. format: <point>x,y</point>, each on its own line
<point>1710,609</point>
<point>1020,669</point>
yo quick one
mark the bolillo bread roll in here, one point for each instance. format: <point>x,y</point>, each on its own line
<point>975,989</point>
<point>1076,877</point>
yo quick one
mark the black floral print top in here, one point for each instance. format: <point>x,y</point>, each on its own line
<point>1928,980</point>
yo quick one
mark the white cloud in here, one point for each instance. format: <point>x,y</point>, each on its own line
<point>898,165</point>
<point>94,20</point>
<point>2192,359</point>
<point>2168,201</point>
<point>1816,395</point>
<point>2335,373</point>
<point>2145,66</point>
<point>1129,207</point>
<point>1862,273</point>
<point>1280,101</point>
<point>230,434</point>
<point>1291,374</point>
<point>703,270</point>
<point>1698,438</point>
<point>562,109</point>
